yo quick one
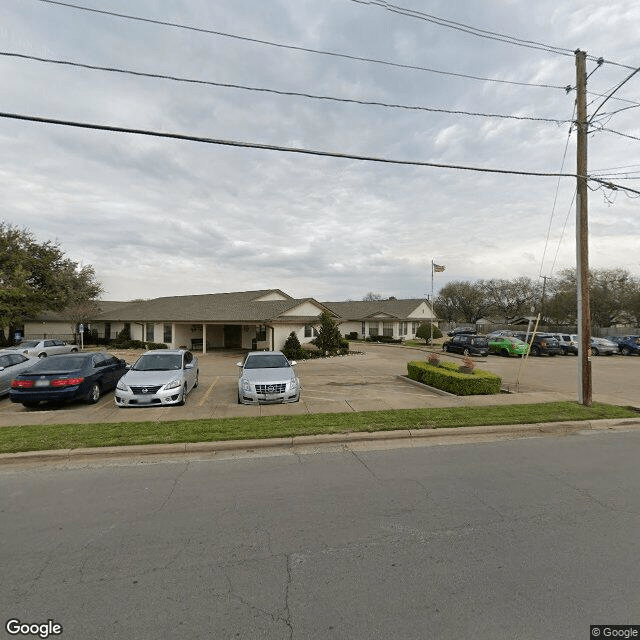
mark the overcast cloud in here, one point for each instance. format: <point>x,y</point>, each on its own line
<point>167,217</point>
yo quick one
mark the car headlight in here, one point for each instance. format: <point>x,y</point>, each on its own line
<point>122,386</point>
<point>293,385</point>
<point>244,383</point>
<point>174,384</point>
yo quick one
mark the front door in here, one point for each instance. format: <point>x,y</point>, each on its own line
<point>233,336</point>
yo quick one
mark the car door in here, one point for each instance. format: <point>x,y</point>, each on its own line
<point>189,370</point>
<point>5,374</point>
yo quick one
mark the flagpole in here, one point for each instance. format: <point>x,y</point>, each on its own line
<point>431,319</point>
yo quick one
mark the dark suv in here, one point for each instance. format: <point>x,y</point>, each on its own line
<point>543,344</point>
<point>629,345</point>
<point>468,345</point>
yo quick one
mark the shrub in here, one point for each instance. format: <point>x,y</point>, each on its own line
<point>329,340</point>
<point>292,348</point>
<point>448,378</point>
<point>425,329</point>
<point>385,339</point>
<point>351,336</point>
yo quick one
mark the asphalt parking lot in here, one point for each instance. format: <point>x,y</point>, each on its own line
<point>370,380</point>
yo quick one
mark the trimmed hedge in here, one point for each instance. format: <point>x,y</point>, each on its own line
<point>447,377</point>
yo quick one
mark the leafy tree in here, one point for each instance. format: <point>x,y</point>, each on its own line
<point>35,277</point>
<point>329,340</point>
<point>373,296</point>
<point>292,348</point>
<point>426,330</point>
<point>461,301</point>
<point>511,299</point>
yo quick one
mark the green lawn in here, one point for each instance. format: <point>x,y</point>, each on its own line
<point>71,436</point>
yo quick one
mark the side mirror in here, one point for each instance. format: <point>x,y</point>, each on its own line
<point>293,363</point>
<point>238,364</point>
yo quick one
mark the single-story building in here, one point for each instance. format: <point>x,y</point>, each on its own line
<point>245,320</point>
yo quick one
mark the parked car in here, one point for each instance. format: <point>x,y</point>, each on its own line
<point>67,377</point>
<point>630,345</point>
<point>462,330</point>
<point>603,347</point>
<point>44,348</point>
<point>11,364</point>
<point>158,377</point>
<point>267,377</point>
<point>508,346</point>
<point>468,345</point>
<point>542,344</point>
<point>500,333</point>
<point>568,343</point>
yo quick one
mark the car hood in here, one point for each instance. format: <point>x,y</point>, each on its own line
<point>283,374</point>
<point>150,378</point>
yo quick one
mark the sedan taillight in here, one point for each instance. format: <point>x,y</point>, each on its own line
<point>21,384</point>
<point>66,382</point>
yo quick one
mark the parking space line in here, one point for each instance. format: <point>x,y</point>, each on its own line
<point>209,390</point>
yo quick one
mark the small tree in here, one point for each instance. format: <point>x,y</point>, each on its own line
<point>329,340</point>
<point>427,330</point>
<point>292,348</point>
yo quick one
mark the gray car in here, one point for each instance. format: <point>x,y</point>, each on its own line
<point>602,346</point>
<point>44,348</point>
<point>267,377</point>
<point>158,377</point>
<point>11,364</point>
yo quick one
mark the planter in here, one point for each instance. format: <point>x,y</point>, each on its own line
<point>463,369</point>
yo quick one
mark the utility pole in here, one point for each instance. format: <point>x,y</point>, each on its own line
<point>544,287</point>
<point>582,235</point>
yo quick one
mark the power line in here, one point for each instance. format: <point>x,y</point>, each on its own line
<point>268,147</point>
<point>619,133</point>
<point>277,91</point>
<point>481,33</point>
<point>633,73</point>
<point>299,48</point>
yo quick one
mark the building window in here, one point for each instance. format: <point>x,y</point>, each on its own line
<point>150,332</point>
<point>363,328</point>
<point>261,333</point>
<point>387,329</point>
<point>310,331</point>
<point>415,327</point>
<point>403,328</point>
<point>373,329</point>
<point>168,334</point>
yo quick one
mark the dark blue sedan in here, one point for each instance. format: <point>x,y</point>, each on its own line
<point>69,377</point>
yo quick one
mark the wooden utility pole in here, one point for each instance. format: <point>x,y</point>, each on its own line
<point>582,235</point>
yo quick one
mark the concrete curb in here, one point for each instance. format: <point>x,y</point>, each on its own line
<point>188,449</point>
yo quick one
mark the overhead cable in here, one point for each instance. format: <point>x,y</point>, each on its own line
<point>277,91</point>
<point>303,49</point>
<point>269,147</point>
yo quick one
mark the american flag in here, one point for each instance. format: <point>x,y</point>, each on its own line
<point>437,267</point>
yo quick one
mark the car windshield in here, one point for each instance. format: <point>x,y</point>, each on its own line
<point>158,362</point>
<point>275,361</point>
<point>516,341</point>
<point>29,344</point>
<point>479,342</point>
<point>58,364</point>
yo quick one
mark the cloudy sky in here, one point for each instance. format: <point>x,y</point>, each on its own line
<point>159,216</point>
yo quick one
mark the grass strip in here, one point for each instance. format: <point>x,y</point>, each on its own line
<point>72,436</point>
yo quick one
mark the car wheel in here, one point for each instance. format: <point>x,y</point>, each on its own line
<point>593,351</point>
<point>42,355</point>
<point>445,348</point>
<point>94,394</point>
<point>74,351</point>
<point>504,352</point>
<point>626,351</point>
<point>535,351</point>
<point>239,401</point>
<point>197,382</point>
<point>183,396</point>
<point>465,352</point>
<point>30,405</point>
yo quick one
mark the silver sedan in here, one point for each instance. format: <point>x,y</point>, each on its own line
<point>267,377</point>
<point>159,377</point>
<point>11,364</point>
<point>44,348</point>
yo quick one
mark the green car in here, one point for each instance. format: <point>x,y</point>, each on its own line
<point>508,346</point>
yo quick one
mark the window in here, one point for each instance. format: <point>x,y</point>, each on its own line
<point>403,328</point>
<point>363,328</point>
<point>168,333</point>
<point>261,333</point>
<point>150,332</point>
<point>310,331</point>
<point>387,329</point>
<point>373,329</point>
<point>415,327</point>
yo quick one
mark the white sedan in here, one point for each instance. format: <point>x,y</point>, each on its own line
<point>44,348</point>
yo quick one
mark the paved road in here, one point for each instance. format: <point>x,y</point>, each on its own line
<point>369,381</point>
<point>528,539</point>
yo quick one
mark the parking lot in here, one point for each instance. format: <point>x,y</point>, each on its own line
<point>370,380</point>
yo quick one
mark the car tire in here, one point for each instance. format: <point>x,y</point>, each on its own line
<point>466,352</point>
<point>504,352</point>
<point>535,351</point>
<point>626,351</point>
<point>42,355</point>
<point>239,401</point>
<point>183,396</point>
<point>94,394</point>
<point>594,351</point>
<point>74,351</point>
<point>30,405</point>
<point>197,382</point>
<point>445,348</point>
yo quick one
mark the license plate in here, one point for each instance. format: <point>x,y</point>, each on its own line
<point>42,383</point>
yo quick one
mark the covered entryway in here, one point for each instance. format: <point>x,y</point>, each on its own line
<point>233,336</point>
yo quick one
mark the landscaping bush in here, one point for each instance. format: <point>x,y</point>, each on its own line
<point>424,332</point>
<point>330,340</point>
<point>292,348</point>
<point>447,378</point>
<point>385,339</point>
<point>351,336</point>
